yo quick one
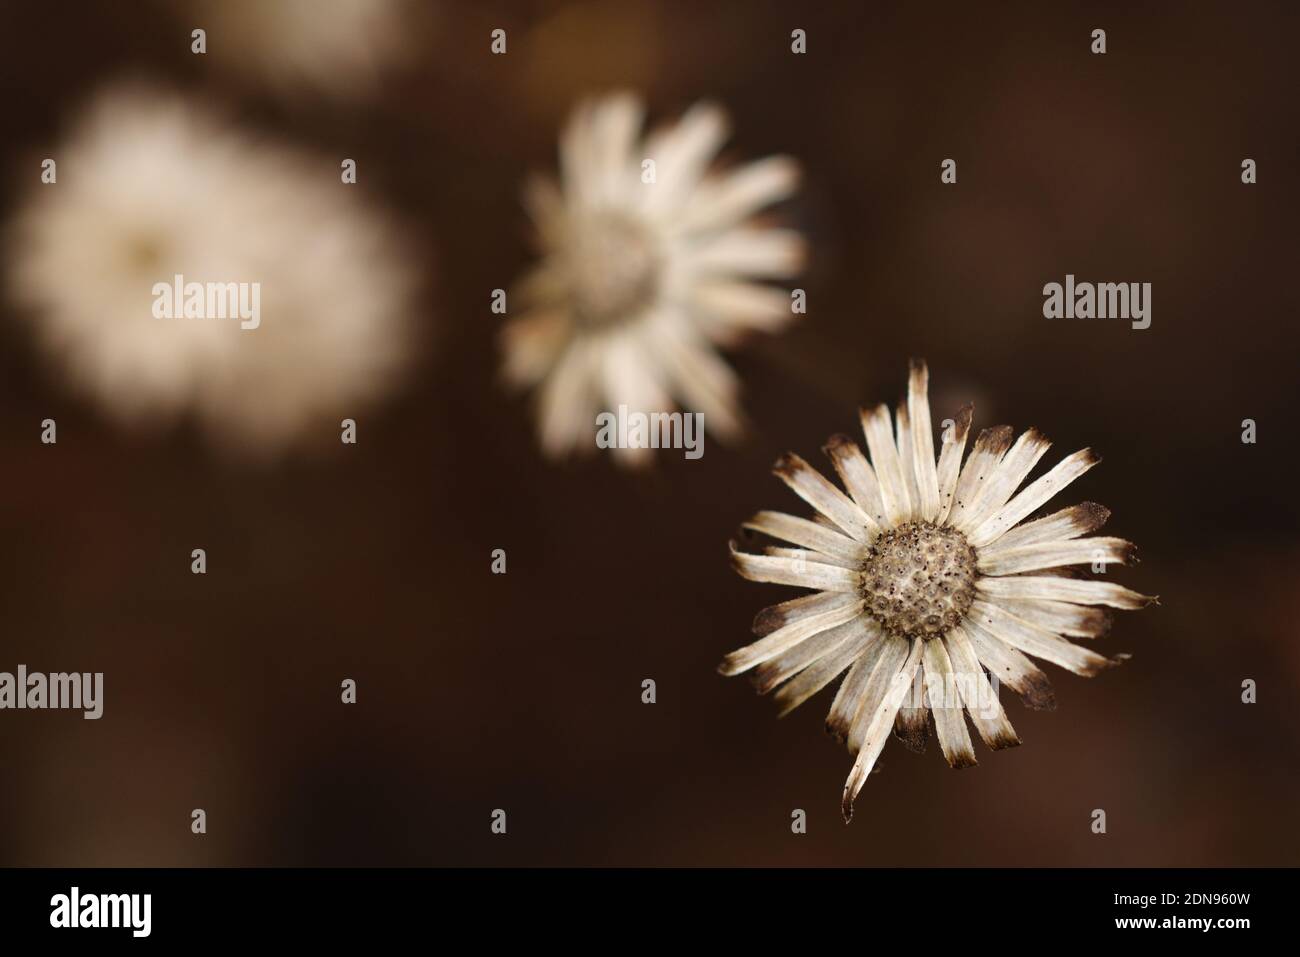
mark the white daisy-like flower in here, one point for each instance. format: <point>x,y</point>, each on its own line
<point>650,261</point>
<point>927,589</point>
<point>339,47</point>
<point>150,187</point>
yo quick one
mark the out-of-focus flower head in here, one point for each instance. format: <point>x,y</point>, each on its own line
<point>152,186</point>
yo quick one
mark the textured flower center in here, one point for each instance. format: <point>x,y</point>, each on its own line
<point>919,580</point>
<point>614,269</point>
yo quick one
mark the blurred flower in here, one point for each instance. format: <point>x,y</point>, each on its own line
<point>649,261</point>
<point>923,578</point>
<point>338,47</point>
<point>150,187</point>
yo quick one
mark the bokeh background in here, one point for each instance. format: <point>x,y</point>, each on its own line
<point>523,691</point>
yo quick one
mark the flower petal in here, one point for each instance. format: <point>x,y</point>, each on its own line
<point>753,252</point>
<point>567,400</point>
<point>727,309</point>
<point>1077,621</point>
<point>815,489</point>
<point>681,153</point>
<point>918,414</point>
<point>912,724</point>
<point>990,446</point>
<point>945,703</point>
<point>864,686</point>
<point>855,638</point>
<point>1038,642</point>
<point>877,725</point>
<point>773,617</point>
<point>889,470</point>
<point>903,439</point>
<point>800,531</point>
<point>1080,551</point>
<point>1054,588</point>
<point>954,443</point>
<point>1011,668</point>
<point>785,638</point>
<point>1006,478</point>
<point>858,477</point>
<point>1060,526</point>
<point>1034,495</point>
<point>727,199</point>
<point>981,699</point>
<point>790,571</point>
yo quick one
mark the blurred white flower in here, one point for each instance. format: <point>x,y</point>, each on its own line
<point>649,262</point>
<point>335,47</point>
<point>152,186</point>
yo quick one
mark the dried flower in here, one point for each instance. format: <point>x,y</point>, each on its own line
<point>645,270</point>
<point>926,584</point>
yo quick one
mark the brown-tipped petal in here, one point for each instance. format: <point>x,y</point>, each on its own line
<point>785,638</point>
<point>1054,588</point>
<point>793,660</point>
<point>954,443</point>
<point>912,725</point>
<point>1037,642</point>
<point>877,726</point>
<point>774,616</point>
<point>865,686</point>
<point>1006,478</point>
<point>1077,621</point>
<point>823,671</point>
<point>918,416</point>
<point>1035,495</point>
<point>858,477</point>
<point>889,470</point>
<point>780,570</point>
<point>944,696</point>
<point>1060,526</point>
<point>808,534</point>
<point>990,446</point>
<point>1080,551</point>
<point>977,694</point>
<point>1009,667</point>
<point>811,486</point>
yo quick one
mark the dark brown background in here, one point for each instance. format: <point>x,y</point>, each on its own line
<point>523,691</point>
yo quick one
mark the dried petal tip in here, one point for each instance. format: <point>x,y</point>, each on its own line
<point>767,621</point>
<point>836,442</point>
<point>912,727</point>
<point>1006,738</point>
<point>1090,516</point>
<point>1038,694</point>
<point>730,665</point>
<point>787,464</point>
